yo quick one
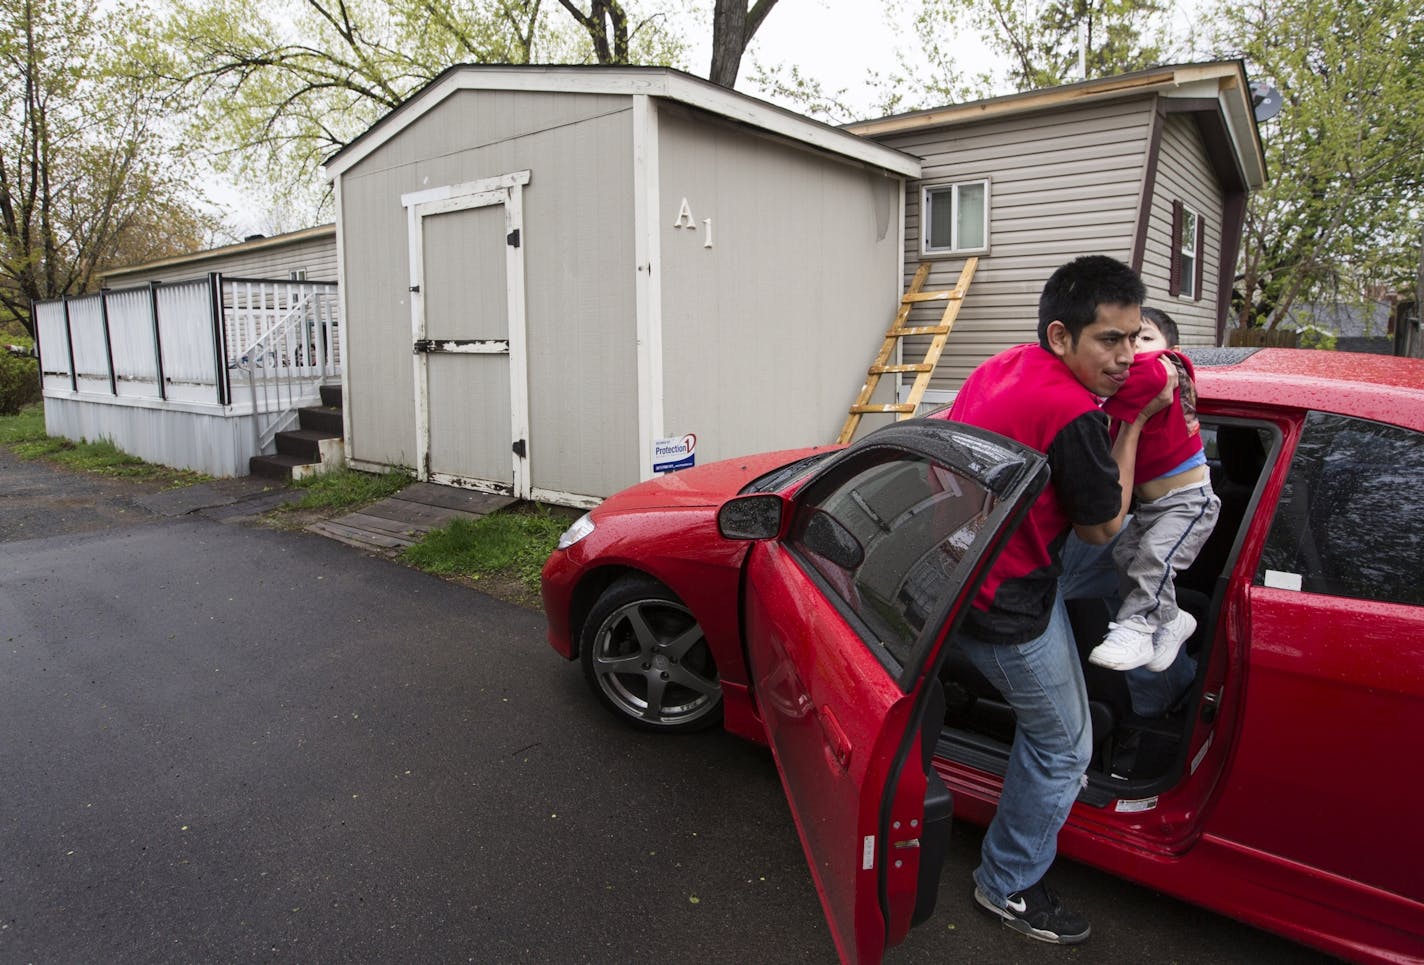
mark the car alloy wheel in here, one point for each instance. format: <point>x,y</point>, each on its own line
<point>646,658</point>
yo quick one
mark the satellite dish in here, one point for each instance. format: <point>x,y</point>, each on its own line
<point>1266,100</point>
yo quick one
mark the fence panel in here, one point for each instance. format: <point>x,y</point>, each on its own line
<point>185,326</point>
<point>54,344</point>
<point>91,348</point>
<point>132,340</point>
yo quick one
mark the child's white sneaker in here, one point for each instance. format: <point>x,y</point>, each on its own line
<point>1127,646</point>
<point>1169,639</point>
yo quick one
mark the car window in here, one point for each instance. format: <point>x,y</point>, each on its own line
<point>1348,520</point>
<point>888,539</point>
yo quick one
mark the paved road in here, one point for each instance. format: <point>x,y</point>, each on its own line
<point>225,743</point>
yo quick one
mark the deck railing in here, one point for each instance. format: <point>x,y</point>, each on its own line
<point>181,341</point>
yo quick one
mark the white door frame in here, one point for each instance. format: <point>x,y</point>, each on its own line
<point>507,189</point>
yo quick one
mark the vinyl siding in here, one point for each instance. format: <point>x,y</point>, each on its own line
<point>1062,184</point>
<point>317,256</point>
<point>1185,174</point>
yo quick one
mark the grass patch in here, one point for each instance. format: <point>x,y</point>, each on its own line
<point>512,544</point>
<point>348,487</point>
<point>28,426</point>
<point>24,435</point>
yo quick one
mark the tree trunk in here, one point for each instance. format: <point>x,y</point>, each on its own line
<point>733,27</point>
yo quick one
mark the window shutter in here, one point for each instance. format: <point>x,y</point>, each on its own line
<point>1174,280</point>
<point>1201,256</point>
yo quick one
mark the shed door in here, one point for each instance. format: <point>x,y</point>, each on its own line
<point>467,308</point>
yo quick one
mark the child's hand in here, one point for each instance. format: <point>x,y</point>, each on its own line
<point>1163,398</point>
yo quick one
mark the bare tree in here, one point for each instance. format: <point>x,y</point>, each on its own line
<point>88,177</point>
<point>733,26</point>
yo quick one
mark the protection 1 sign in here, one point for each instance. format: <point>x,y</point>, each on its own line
<point>676,453</point>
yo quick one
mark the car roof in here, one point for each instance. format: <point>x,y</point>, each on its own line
<point>1379,387</point>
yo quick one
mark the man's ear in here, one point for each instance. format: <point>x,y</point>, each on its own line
<point>1060,341</point>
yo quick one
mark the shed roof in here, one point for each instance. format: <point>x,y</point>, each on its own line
<point>1221,81</point>
<point>663,82</point>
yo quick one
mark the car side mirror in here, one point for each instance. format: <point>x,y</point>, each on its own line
<point>759,516</point>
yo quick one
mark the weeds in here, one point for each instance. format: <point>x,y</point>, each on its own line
<point>24,435</point>
<point>513,543</point>
<point>348,487</point>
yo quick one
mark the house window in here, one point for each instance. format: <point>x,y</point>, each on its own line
<point>955,217</point>
<point>1187,244</point>
<point>297,274</point>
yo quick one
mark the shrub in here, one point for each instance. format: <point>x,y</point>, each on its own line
<point>19,377</point>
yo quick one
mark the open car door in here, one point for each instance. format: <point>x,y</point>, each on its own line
<point>849,597</point>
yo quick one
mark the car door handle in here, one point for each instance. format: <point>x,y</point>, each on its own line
<point>837,745</point>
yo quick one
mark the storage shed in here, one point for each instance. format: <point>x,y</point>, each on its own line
<point>558,280</point>
<point>1152,168</point>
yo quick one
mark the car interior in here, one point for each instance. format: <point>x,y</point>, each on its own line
<point>1132,755</point>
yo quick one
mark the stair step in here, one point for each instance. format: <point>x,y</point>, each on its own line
<point>279,466</point>
<point>303,442</point>
<point>331,395</point>
<point>323,418</point>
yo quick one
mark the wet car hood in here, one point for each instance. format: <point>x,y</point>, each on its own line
<point>709,485</point>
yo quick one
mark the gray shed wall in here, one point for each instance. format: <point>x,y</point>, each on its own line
<point>768,333</point>
<point>1185,174</point>
<point>1062,183</point>
<point>316,256</point>
<point>579,273</point>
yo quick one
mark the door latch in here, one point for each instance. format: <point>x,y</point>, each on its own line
<point>518,448</point>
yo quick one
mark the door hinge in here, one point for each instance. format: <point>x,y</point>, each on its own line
<point>518,448</point>
<point>512,239</point>
<point>423,345</point>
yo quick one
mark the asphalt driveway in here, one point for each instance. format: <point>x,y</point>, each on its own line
<point>228,743</point>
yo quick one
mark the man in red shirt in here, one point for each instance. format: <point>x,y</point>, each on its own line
<point>1047,395</point>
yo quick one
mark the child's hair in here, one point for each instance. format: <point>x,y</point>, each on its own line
<point>1165,325</point>
<point>1074,292</point>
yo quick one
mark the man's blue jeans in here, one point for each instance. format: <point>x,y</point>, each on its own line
<point>1043,681</point>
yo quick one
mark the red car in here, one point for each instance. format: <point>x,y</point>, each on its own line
<point>805,599</point>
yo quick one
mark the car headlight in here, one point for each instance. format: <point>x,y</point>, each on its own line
<point>581,528</point>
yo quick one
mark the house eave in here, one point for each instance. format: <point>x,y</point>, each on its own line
<point>1223,81</point>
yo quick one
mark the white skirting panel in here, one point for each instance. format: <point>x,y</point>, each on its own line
<point>209,439</point>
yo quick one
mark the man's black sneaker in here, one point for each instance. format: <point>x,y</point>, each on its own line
<point>1038,913</point>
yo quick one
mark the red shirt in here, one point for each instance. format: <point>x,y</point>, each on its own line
<point>1170,437</point>
<point>1028,394</point>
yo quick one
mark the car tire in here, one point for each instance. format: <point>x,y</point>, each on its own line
<point>646,659</point>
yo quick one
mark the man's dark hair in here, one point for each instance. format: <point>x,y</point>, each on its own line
<point>1074,292</point>
<point>1164,324</point>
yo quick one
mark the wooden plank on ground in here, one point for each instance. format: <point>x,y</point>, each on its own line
<point>419,514</point>
<point>453,498</point>
<point>363,539</point>
<point>400,529</point>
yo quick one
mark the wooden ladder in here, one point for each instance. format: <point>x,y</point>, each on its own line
<point>898,330</point>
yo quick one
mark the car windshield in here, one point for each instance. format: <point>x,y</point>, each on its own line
<point>785,476</point>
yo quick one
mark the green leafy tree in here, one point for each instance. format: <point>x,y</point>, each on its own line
<point>1340,214</point>
<point>280,85</point>
<point>1034,43</point>
<point>90,175</point>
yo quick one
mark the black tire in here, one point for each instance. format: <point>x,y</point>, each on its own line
<point>646,659</point>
